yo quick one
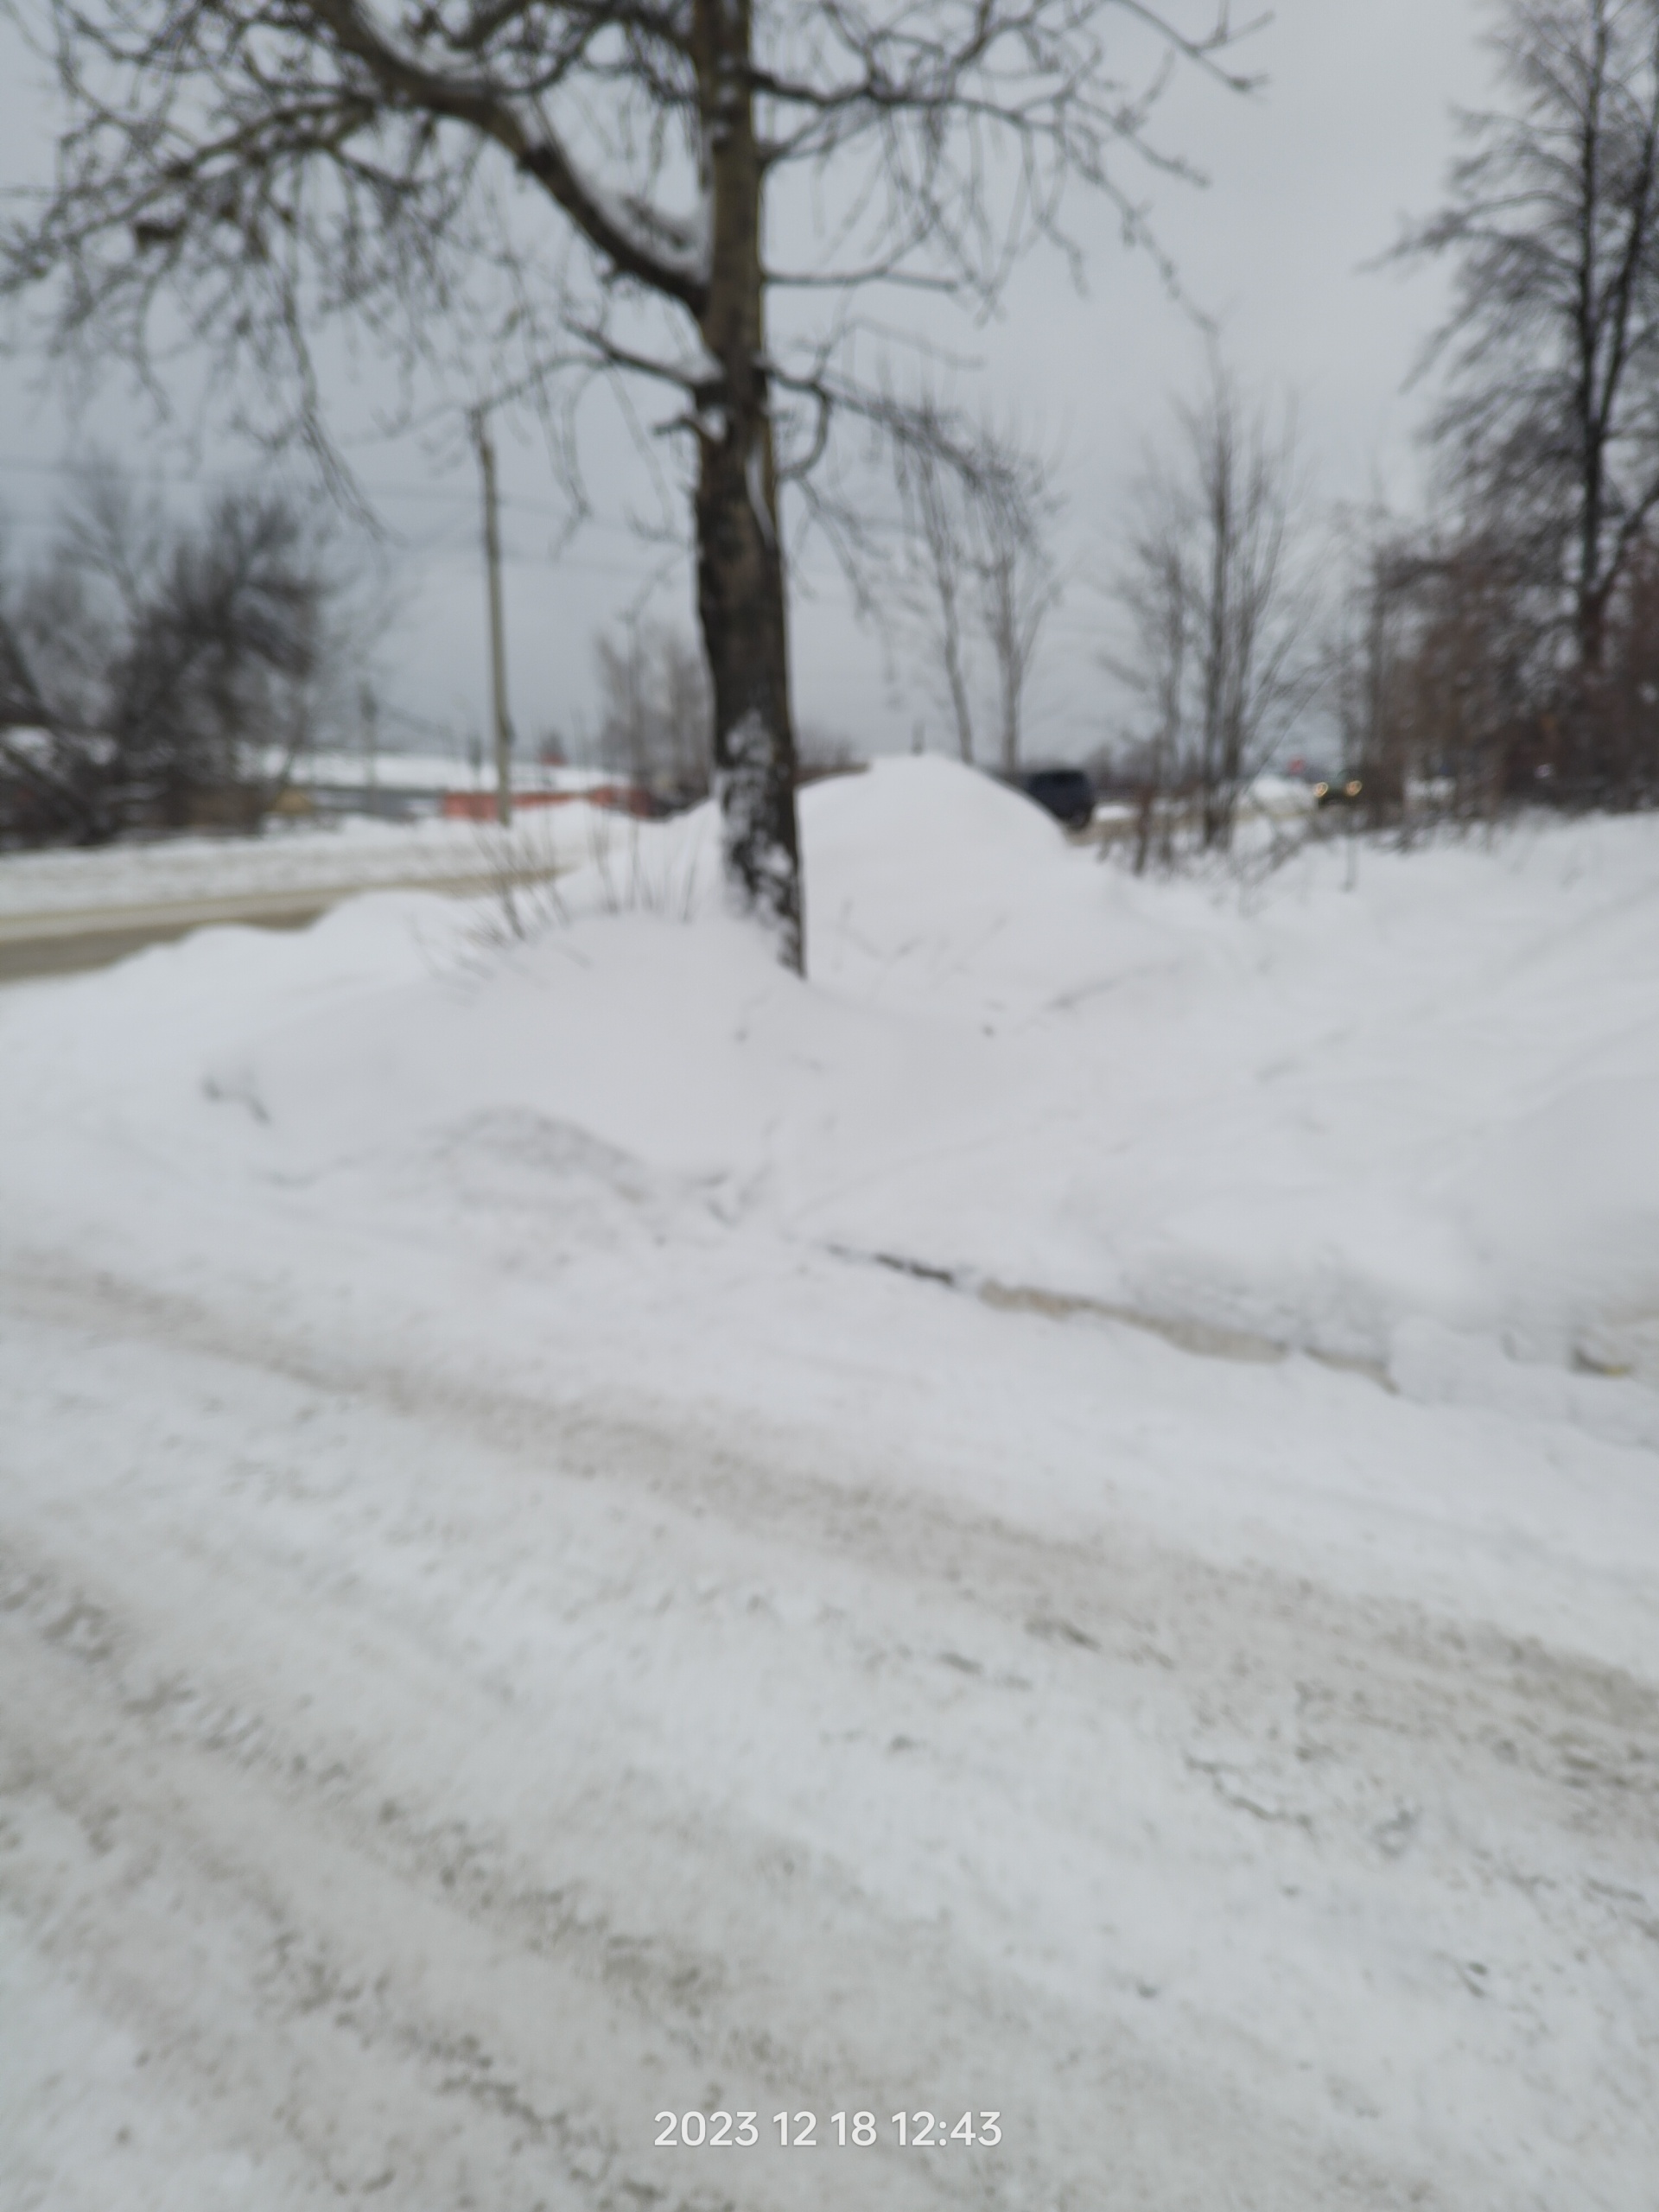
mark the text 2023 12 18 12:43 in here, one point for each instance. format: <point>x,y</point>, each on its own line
<point>798,2131</point>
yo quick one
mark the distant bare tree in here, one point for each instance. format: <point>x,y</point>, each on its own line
<point>1629,703</point>
<point>595,187</point>
<point>938,489</point>
<point>1553,344</point>
<point>1153,591</point>
<point>1433,669</point>
<point>1217,607</point>
<point>170,669</point>
<point>1019,584</point>
<point>979,510</point>
<point>657,718</point>
<point>1365,647</point>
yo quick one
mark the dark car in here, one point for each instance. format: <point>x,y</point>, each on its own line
<point>1340,790</point>
<point>1066,793</point>
<point>1329,786</point>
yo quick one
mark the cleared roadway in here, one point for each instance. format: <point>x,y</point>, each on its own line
<point>63,941</point>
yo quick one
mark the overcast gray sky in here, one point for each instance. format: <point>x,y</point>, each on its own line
<point>1310,178</point>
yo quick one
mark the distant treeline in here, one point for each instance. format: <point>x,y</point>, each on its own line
<point>151,669</point>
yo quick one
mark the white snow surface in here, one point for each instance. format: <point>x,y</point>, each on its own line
<point>521,1608</point>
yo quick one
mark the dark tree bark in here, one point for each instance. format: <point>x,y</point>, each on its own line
<point>741,595</point>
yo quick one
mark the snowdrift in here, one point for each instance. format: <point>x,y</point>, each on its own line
<point>1318,1117</point>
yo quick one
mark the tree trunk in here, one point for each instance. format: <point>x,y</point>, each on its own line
<point>944,556</point>
<point>1007,640</point>
<point>959,706</point>
<point>741,592</point>
<point>1219,641</point>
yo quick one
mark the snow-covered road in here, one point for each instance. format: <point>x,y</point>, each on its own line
<point>64,911</point>
<point>291,859</point>
<point>411,1789</point>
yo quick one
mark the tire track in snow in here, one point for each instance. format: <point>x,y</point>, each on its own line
<point>395,1951</point>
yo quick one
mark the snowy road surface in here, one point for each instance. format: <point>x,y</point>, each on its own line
<point>351,856</point>
<point>62,911</point>
<point>409,1790</point>
<point>509,1626</point>
<point>60,942</point>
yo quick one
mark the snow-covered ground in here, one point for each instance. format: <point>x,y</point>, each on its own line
<point>589,1529</point>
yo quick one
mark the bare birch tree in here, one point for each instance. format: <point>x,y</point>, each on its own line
<point>263,168</point>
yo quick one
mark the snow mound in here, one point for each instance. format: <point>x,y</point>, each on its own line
<point>928,828</point>
<point>926,880</point>
<point>1426,1096</point>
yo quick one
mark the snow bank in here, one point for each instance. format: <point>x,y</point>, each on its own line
<point>1314,1118</point>
<point>1430,1095</point>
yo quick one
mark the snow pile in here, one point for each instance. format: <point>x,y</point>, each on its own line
<point>1310,1119</point>
<point>1431,1095</point>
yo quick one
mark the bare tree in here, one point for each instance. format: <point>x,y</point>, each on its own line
<point>943,516</point>
<point>1251,616</point>
<point>168,669</point>
<point>1436,672</point>
<point>1153,589</point>
<point>1553,344</point>
<point>267,165</point>
<point>978,509</point>
<point>1628,706</point>
<point>1366,650</point>
<point>1218,608</point>
<point>656,718</point>
<point>1020,586</point>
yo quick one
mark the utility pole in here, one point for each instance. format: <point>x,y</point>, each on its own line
<point>497,634</point>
